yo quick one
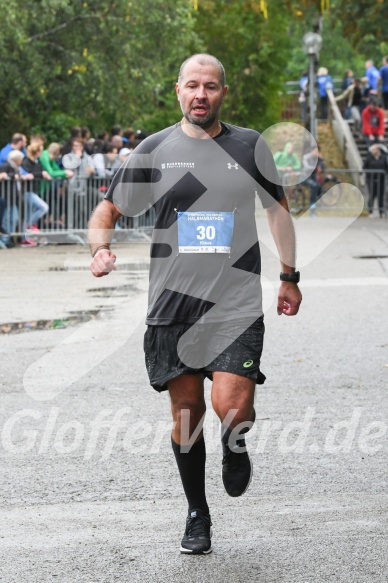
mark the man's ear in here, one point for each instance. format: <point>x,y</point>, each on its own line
<point>177,89</point>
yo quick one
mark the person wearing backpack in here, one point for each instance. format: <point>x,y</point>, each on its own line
<point>324,82</point>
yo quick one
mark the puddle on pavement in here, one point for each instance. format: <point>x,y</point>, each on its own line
<point>371,257</point>
<point>132,267</point>
<point>56,324</point>
<point>119,291</point>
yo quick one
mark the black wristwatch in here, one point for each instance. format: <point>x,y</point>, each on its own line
<point>292,277</point>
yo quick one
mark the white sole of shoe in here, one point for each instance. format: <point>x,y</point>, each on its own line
<point>250,479</point>
<point>188,552</point>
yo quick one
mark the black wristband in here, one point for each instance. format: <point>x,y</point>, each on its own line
<point>292,277</point>
<point>99,248</point>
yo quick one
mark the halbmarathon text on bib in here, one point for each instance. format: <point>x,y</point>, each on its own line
<point>205,232</point>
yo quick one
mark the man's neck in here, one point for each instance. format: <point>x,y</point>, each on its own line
<point>195,131</point>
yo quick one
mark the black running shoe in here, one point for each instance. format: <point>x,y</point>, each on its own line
<point>198,533</point>
<point>237,469</point>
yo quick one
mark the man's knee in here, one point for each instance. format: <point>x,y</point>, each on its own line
<point>188,419</point>
<point>188,409</point>
<point>240,418</point>
<point>235,413</point>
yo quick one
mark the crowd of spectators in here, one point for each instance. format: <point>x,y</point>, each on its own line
<point>356,91</point>
<point>31,174</point>
<point>366,98</point>
<point>366,108</point>
<point>361,96</point>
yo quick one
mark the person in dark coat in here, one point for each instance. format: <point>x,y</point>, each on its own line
<point>376,160</point>
<point>33,165</point>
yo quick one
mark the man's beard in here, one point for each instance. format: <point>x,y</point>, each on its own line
<point>205,122</point>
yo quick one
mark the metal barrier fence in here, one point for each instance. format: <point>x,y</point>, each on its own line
<point>328,197</point>
<point>60,209</point>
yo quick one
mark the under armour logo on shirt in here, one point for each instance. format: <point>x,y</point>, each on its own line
<point>230,166</point>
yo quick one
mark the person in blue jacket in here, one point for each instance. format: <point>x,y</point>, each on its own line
<point>324,82</point>
<point>303,85</point>
<point>384,82</point>
<point>373,76</point>
<point>18,142</point>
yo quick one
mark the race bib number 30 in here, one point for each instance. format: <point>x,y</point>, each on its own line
<point>206,232</point>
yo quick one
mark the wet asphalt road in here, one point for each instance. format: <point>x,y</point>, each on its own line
<point>89,489</point>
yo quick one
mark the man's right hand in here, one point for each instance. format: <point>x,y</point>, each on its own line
<point>103,263</point>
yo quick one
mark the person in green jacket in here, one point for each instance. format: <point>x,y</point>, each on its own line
<point>287,160</point>
<point>54,189</point>
<point>48,161</point>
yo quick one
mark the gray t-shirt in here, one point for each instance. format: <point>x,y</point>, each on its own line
<point>205,255</point>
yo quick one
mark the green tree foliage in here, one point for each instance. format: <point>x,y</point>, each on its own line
<point>253,50</point>
<point>351,33</point>
<point>337,53</point>
<point>364,23</point>
<point>94,63</point>
<point>98,63</point>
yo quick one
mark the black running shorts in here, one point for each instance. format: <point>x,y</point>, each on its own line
<point>241,357</point>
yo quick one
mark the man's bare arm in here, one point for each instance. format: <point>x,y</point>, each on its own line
<point>101,228</point>
<point>282,229</point>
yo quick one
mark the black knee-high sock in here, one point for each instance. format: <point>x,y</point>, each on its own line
<point>238,438</point>
<point>191,467</point>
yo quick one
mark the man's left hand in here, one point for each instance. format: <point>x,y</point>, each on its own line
<point>289,298</point>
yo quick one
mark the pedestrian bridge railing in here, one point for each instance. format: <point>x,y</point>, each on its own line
<point>344,137</point>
